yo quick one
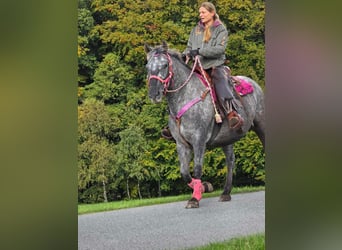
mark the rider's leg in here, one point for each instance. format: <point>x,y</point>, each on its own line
<point>226,97</point>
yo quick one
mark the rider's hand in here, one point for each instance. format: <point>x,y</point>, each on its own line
<point>194,52</point>
<point>184,57</point>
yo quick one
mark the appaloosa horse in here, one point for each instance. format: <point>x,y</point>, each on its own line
<point>192,113</point>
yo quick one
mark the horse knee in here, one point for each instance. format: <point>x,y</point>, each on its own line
<point>186,176</point>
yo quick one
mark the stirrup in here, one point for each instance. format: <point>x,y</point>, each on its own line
<point>235,120</point>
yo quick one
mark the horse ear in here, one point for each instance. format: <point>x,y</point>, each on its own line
<point>165,46</point>
<point>147,48</point>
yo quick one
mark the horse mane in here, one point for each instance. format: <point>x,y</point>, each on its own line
<point>173,53</point>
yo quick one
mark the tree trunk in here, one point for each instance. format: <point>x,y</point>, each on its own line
<point>104,191</point>
<point>139,190</point>
<point>159,190</point>
<point>127,187</point>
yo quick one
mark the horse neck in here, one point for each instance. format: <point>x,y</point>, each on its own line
<point>181,74</point>
<point>192,89</point>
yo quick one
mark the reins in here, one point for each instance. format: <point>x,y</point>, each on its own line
<point>218,118</point>
<point>186,81</point>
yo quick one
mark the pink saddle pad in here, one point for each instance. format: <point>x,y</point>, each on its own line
<point>242,86</point>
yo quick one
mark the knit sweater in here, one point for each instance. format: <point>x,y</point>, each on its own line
<point>212,53</point>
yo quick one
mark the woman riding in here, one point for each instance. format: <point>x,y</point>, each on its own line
<point>208,40</point>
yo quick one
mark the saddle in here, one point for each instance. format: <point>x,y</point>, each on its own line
<point>239,86</point>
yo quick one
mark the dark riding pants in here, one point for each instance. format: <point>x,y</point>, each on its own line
<point>220,82</point>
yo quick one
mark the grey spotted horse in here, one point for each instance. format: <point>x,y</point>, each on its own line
<point>192,113</point>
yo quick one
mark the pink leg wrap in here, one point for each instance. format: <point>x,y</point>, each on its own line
<point>198,188</point>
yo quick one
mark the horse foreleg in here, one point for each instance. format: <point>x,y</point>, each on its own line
<point>196,183</point>
<point>230,162</point>
<point>184,155</point>
<point>198,189</point>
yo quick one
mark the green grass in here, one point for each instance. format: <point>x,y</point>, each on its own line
<point>101,207</point>
<point>253,242</point>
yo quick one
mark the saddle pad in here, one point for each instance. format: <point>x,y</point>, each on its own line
<point>241,86</point>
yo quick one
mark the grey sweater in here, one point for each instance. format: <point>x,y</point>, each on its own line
<point>212,53</point>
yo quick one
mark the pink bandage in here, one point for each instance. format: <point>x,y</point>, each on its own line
<point>197,187</point>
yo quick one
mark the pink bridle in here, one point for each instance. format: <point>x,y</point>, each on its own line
<point>167,80</point>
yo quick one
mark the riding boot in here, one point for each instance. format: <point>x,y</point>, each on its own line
<point>166,134</point>
<point>234,119</point>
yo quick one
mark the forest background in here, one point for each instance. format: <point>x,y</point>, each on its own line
<point>120,152</point>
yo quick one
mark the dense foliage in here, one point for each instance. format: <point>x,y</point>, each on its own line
<point>121,154</point>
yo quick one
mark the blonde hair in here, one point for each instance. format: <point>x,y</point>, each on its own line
<point>211,8</point>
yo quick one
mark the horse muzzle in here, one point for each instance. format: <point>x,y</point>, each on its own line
<point>156,91</point>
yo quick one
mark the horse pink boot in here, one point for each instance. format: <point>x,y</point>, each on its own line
<point>198,188</point>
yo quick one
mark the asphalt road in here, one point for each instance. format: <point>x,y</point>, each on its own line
<point>171,226</point>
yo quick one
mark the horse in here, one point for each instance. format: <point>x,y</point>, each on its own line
<point>191,117</point>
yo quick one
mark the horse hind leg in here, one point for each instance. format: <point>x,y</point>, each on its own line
<point>230,162</point>
<point>259,129</point>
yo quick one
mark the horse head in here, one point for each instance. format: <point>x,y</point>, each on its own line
<point>159,71</point>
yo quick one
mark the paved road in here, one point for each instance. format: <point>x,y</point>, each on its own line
<point>171,226</point>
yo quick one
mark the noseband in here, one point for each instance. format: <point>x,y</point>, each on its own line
<point>167,80</point>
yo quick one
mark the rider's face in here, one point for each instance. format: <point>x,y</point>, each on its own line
<point>206,16</point>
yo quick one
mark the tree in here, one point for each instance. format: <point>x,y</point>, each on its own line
<point>245,21</point>
<point>111,81</point>
<point>95,153</point>
<point>87,60</point>
<point>130,154</point>
<point>96,163</point>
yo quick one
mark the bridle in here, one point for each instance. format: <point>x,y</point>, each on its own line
<point>167,80</point>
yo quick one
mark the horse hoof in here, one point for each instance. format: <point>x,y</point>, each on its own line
<point>192,203</point>
<point>208,188</point>
<point>225,197</point>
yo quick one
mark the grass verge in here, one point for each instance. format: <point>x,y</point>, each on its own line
<point>253,242</point>
<point>101,207</point>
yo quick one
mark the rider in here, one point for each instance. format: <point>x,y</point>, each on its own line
<point>208,40</point>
